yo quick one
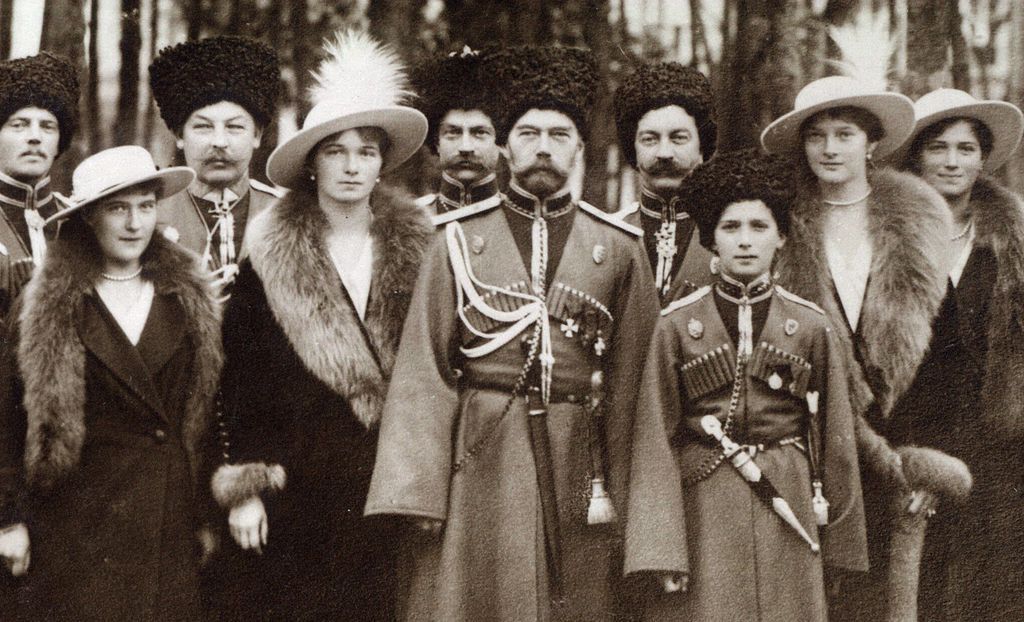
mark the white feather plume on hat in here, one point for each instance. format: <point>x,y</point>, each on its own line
<point>866,49</point>
<point>362,71</point>
<point>360,83</point>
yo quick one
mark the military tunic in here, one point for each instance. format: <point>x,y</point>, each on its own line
<point>20,203</point>
<point>189,220</point>
<point>454,443</point>
<point>453,194</point>
<point>743,561</point>
<point>669,231</point>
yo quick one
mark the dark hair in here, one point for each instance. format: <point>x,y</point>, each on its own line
<point>369,133</point>
<point>866,120</point>
<point>982,133</point>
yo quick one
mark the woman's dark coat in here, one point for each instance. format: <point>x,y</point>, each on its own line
<point>102,444</point>
<point>303,388</point>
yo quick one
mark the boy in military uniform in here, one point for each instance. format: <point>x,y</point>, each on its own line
<point>509,420</point>
<point>665,117</point>
<point>744,387</point>
<point>38,116</point>
<point>217,95</point>
<point>457,101</point>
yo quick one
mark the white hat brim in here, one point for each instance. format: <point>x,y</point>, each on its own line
<point>894,111</point>
<point>406,129</point>
<point>173,180</point>
<point>1003,119</point>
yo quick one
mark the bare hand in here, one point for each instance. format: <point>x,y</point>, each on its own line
<point>15,549</point>
<point>248,524</point>
<point>429,527</point>
<point>673,582</point>
<point>922,501</point>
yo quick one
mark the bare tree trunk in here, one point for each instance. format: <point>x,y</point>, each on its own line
<point>530,21</point>
<point>150,119</point>
<point>195,19</point>
<point>92,96</point>
<point>928,41</point>
<point>597,33</point>
<point>128,78</point>
<point>395,22</point>
<point>962,53</point>
<point>1015,91</point>
<point>64,34</point>
<point>6,24</point>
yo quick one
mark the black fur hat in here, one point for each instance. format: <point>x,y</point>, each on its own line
<point>193,74</point>
<point>45,81</point>
<point>657,85</point>
<point>544,77</point>
<point>744,175</point>
<point>453,81</point>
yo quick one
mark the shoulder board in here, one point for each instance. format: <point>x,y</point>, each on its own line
<point>262,187</point>
<point>610,219</point>
<point>426,200</point>
<point>632,208</point>
<point>464,212</point>
<point>788,295</point>
<point>686,300</point>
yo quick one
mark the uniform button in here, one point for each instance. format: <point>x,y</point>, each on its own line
<point>160,436</point>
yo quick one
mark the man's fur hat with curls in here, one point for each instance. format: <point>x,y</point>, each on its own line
<point>745,175</point>
<point>45,81</point>
<point>456,81</point>
<point>193,74</point>
<point>546,78</point>
<point>656,85</point>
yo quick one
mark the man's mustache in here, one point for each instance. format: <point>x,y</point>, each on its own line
<point>669,168</point>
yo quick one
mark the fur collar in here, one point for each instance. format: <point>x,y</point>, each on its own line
<point>908,222</point>
<point>51,355</point>
<point>306,296</point>
<point>999,225</point>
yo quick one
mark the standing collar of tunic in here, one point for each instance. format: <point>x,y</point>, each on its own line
<point>454,194</point>
<point>526,204</point>
<point>654,206</point>
<point>738,293</point>
<point>20,194</point>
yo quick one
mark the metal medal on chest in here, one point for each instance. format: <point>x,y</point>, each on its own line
<point>791,326</point>
<point>775,381</point>
<point>695,327</point>
<point>599,254</point>
<point>477,244</point>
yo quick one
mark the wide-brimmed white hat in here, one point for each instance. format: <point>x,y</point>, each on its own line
<point>119,168</point>
<point>1003,119</point>
<point>894,111</point>
<point>361,83</point>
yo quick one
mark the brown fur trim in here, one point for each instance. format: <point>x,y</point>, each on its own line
<point>937,472</point>
<point>51,357</point>
<point>304,291</point>
<point>999,224</point>
<point>908,222</point>
<point>233,484</point>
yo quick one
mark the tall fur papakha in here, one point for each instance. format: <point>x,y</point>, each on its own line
<point>656,85</point>
<point>288,253</point>
<point>46,81</point>
<point>51,356</point>
<point>455,81</point>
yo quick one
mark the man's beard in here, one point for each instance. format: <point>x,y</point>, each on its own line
<point>541,180</point>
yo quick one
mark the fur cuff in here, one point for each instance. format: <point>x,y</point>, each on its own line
<point>878,456</point>
<point>233,484</point>
<point>937,472</point>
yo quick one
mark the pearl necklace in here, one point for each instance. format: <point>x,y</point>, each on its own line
<point>122,278</point>
<point>970,223</point>
<point>846,203</point>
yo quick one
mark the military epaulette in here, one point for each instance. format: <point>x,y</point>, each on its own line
<point>632,208</point>
<point>262,187</point>
<point>464,212</point>
<point>610,219</point>
<point>788,295</point>
<point>686,300</point>
<point>426,200</point>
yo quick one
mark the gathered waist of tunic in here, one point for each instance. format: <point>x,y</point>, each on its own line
<point>568,385</point>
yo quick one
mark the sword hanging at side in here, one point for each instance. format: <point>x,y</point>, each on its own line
<point>541,446</point>
<point>759,483</point>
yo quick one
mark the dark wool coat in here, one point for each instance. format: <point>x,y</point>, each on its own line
<point>448,452</point>
<point>908,223</point>
<point>302,392</point>
<point>103,443</point>
<point>967,401</point>
<point>743,561</point>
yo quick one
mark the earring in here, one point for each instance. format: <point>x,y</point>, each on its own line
<point>714,265</point>
<point>378,180</point>
<point>313,176</point>
<point>871,162</point>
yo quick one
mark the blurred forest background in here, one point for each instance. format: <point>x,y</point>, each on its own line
<point>758,53</point>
